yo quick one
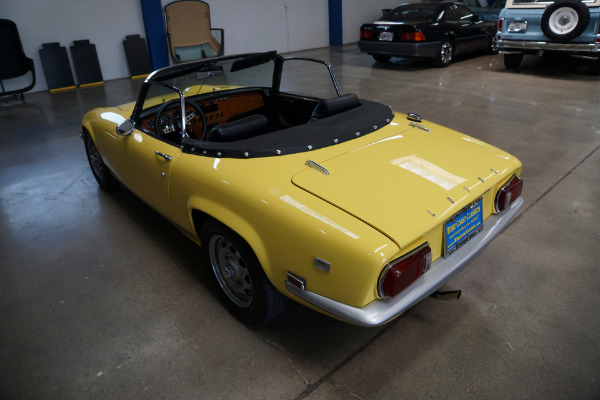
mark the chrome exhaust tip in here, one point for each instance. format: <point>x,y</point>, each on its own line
<point>447,295</point>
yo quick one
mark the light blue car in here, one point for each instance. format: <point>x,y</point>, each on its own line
<point>535,27</point>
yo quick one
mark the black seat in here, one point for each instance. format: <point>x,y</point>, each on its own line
<point>335,105</point>
<point>13,61</point>
<point>243,128</point>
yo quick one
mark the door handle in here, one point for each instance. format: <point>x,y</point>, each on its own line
<point>165,156</point>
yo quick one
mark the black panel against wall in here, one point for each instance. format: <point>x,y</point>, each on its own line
<point>136,53</point>
<point>57,69</point>
<point>87,66</point>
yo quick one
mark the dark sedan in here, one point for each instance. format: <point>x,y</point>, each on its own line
<point>437,31</point>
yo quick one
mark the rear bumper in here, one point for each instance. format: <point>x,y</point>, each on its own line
<point>412,50</point>
<point>523,46</point>
<point>442,270</point>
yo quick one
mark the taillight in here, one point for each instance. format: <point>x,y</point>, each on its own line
<point>366,34</point>
<point>399,274</point>
<point>500,23</point>
<point>508,193</point>
<point>413,36</point>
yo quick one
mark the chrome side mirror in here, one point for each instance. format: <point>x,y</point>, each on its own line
<point>125,128</point>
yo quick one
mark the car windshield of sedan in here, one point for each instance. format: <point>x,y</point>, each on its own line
<point>253,105</point>
<point>411,12</point>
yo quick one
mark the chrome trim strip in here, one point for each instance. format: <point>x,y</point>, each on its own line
<point>442,270</point>
<point>516,45</point>
<point>418,126</point>
<point>316,167</point>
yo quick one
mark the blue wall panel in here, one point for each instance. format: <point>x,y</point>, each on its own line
<point>155,33</point>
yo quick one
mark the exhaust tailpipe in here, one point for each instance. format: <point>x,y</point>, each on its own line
<point>448,295</point>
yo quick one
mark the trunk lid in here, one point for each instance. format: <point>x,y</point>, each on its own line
<point>408,182</point>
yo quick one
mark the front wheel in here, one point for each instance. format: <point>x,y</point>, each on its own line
<point>250,295</point>
<point>444,55</point>
<point>512,61</point>
<point>103,176</point>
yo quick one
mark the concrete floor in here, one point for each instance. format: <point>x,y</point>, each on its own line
<point>100,298</point>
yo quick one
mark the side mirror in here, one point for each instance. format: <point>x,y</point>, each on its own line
<point>125,128</point>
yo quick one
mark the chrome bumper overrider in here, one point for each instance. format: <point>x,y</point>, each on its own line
<point>442,270</point>
<point>507,46</point>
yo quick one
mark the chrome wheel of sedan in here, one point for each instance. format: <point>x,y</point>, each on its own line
<point>445,54</point>
<point>230,270</point>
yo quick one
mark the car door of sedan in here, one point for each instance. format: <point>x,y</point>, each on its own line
<point>468,32</point>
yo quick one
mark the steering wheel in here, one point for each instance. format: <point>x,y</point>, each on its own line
<point>165,126</point>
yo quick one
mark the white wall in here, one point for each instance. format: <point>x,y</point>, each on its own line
<point>258,25</point>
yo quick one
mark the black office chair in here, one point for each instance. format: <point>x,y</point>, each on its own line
<point>13,61</point>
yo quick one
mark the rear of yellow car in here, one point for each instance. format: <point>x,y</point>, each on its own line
<point>438,195</point>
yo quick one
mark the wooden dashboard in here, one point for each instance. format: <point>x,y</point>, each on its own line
<point>217,111</point>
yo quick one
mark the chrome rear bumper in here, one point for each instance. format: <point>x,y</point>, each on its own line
<point>442,270</point>
<point>519,46</point>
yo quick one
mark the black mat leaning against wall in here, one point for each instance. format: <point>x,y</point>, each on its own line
<point>57,69</point>
<point>87,66</point>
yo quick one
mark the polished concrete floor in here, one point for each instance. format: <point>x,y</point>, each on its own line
<point>100,298</point>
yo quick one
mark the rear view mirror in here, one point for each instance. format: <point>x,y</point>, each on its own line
<point>125,128</point>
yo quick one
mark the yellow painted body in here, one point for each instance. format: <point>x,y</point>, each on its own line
<point>387,193</point>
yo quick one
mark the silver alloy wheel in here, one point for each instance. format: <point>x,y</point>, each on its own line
<point>494,45</point>
<point>95,159</point>
<point>446,52</point>
<point>563,20</point>
<point>230,270</point>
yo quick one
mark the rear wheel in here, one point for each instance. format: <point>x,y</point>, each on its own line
<point>250,295</point>
<point>445,54</point>
<point>103,176</point>
<point>593,67</point>
<point>380,58</point>
<point>512,61</point>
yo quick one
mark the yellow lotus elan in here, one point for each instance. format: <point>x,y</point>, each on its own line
<point>294,191</point>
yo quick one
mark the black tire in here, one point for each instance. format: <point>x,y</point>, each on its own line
<point>380,58</point>
<point>444,56</point>
<point>564,20</point>
<point>593,67</point>
<point>100,171</point>
<point>512,61</point>
<point>249,294</point>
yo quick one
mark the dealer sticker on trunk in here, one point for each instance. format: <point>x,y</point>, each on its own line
<point>465,224</point>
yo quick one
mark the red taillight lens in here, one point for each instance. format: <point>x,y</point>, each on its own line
<point>399,274</point>
<point>500,23</point>
<point>413,36</point>
<point>509,193</point>
<point>366,34</point>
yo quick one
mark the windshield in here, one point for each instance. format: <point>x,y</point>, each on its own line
<point>544,1</point>
<point>411,12</point>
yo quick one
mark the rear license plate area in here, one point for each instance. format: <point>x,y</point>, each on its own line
<point>386,36</point>
<point>463,225</point>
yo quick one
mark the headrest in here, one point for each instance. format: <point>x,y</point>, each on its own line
<point>242,128</point>
<point>335,105</point>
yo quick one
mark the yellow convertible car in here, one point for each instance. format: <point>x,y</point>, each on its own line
<point>295,191</point>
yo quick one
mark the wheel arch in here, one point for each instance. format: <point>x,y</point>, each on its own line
<point>202,212</point>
